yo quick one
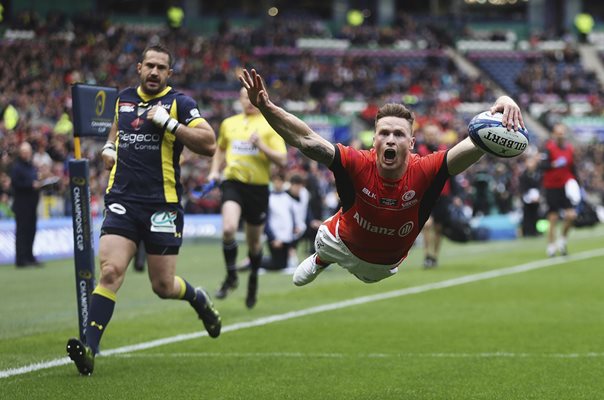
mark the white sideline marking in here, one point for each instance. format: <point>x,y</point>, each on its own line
<point>322,308</point>
<point>497,354</point>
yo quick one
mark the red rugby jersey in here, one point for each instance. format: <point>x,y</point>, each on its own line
<point>380,218</point>
<point>556,177</point>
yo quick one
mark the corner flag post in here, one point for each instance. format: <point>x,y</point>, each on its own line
<point>93,113</point>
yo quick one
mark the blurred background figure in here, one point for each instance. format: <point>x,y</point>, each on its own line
<point>433,229</point>
<point>282,226</point>
<point>316,186</point>
<point>301,196</point>
<point>26,195</point>
<point>285,224</point>
<point>247,146</point>
<point>530,184</point>
<point>561,188</point>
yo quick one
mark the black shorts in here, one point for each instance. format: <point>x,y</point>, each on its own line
<point>440,211</point>
<point>253,200</point>
<point>159,226</point>
<point>556,200</point>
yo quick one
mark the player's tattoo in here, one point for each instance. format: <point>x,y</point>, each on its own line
<point>318,153</point>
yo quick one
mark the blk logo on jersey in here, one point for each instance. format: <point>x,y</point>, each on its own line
<point>369,193</point>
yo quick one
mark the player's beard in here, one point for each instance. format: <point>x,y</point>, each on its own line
<point>157,86</point>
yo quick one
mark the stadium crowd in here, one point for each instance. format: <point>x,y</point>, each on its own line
<point>36,76</point>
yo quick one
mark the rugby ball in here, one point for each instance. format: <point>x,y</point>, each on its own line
<point>486,131</point>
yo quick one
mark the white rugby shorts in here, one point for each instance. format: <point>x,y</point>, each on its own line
<point>331,249</point>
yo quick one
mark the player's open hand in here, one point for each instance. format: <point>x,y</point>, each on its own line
<point>256,90</point>
<point>512,117</point>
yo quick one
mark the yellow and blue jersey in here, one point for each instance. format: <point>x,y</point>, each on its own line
<point>244,161</point>
<point>147,168</point>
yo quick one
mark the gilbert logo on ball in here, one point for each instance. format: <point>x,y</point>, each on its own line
<point>487,132</point>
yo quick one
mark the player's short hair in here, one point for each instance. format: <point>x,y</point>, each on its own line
<point>395,110</point>
<point>160,49</point>
<point>296,179</point>
<point>559,125</point>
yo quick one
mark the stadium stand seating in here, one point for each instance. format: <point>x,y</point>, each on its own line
<point>305,64</point>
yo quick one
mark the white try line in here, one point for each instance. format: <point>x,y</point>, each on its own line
<point>496,354</point>
<point>318,309</point>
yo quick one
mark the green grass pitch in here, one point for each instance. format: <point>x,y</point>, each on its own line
<point>471,329</point>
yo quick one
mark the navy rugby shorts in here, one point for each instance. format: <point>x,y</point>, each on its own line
<point>159,226</point>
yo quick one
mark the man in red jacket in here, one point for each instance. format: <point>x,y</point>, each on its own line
<point>561,187</point>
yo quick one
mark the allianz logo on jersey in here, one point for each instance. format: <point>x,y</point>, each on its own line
<point>403,231</point>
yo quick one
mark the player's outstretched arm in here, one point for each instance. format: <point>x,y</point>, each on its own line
<point>462,155</point>
<point>293,130</point>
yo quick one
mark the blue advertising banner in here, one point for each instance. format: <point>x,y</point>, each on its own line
<point>54,237</point>
<point>93,109</point>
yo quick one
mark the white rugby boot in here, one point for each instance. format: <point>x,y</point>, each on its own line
<point>307,271</point>
<point>551,250</point>
<point>561,244</point>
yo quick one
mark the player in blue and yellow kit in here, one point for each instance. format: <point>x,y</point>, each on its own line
<point>153,123</point>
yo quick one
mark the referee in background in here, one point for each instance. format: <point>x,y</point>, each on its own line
<point>247,145</point>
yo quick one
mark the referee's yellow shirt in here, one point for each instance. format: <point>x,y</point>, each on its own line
<point>244,161</point>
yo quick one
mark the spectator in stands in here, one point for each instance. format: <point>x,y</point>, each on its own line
<point>247,146</point>
<point>482,190</point>
<point>530,184</point>
<point>26,195</point>
<point>282,225</point>
<point>433,229</point>
<point>561,188</point>
<point>314,216</point>
<point>301,196</point>
<point>502,188</point>
<point>101,53</point>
